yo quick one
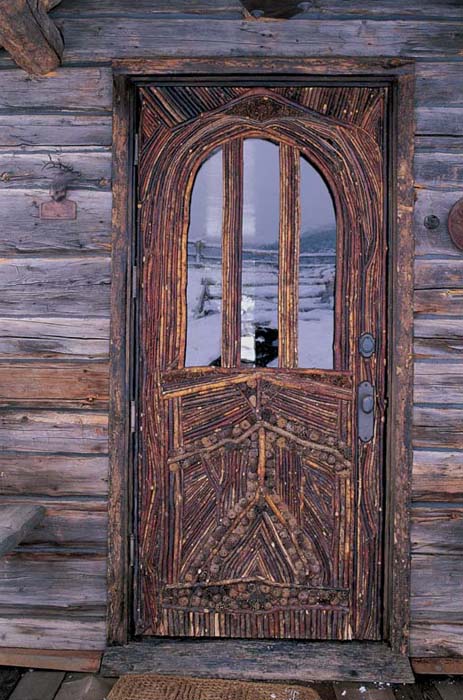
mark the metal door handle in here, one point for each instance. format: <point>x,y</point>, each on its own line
<point>366,411</point>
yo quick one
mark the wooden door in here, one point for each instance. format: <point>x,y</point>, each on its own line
<point>259,484</point>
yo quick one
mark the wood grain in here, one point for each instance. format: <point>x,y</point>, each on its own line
<point>193,473</point>
<point>437,530</point>
<point>62,129</point>
<point>254,660</point>
<point>48,431</point>
<point>16,522</point>
<point>23,232</point>
<point>53,475</point>
<point>31,168</point>
<point>42,384</point>
<point>438,382</point>
<point>54,583</point>
<point>79,89</point>
<point>438,475</point>
<point>89,41</point>
<point>54,338</point>
<point>437,587</point>
<point>22,628</point>
<point>30,36</point>
<point>55,287</point>
<point>81,661</point>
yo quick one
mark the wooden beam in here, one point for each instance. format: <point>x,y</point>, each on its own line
<point>76,660</point>
<point>262,660</point>
<point>438,666</point>
<point>15,523</point>
<point>31,38</point>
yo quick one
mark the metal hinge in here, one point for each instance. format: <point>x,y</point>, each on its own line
<point>133,416</point>
<point>134,282</point>
<point>132,550</point>
<point>136,149</point>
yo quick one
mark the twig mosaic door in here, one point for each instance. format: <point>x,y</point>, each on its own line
<point>262,363</point>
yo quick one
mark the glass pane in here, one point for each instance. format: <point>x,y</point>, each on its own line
<point>204,288</point>
<point>259,299</point>
<point>317,271</point>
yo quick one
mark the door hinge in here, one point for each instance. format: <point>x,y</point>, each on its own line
<point>136,149</point>
<point>132,550</point>
<point>134,282</point>
<point>133,416</point>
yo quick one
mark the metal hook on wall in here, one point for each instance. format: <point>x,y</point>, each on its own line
<point>60,207</point>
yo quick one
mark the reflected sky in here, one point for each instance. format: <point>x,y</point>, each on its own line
<point>261,211</point>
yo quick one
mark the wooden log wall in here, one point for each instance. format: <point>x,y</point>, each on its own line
<point>55,278</point>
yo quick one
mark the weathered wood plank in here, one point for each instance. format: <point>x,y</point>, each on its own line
<point>55,338</point>
<point>438,273</point>
<point>55,287</point>
<point>438,161</point>
<point>53,475</point>
<point>437,666</point>
<point>82,89</point>
<point>59,503</point>
<point>438,427</point>
<point>30,36</point>
<point>436,585</point>
<point>84,661</point>
<point>448,302</point>
<point>438,382</point>
<point>439,102</point>
<point>54,384</point>
<point>45,431</point>
<point>55,129</point>
<point>64,529</point>
<point>438,203</point>
<point>438,349</point>
<point>322,9</point>
<point>437,475</point>
<point>16,522</point>
<point>23,232</point>
<point>34,632</point>
<point>437,529</point>
<point>438,327</point>
<point>63,583</point>
<point>265,660</point>
<point>224,9</point>
<point>87,40</point>
<point>435,338</point>
<point>31,168</point>
<point>445,639</point>
<point>38,685</point>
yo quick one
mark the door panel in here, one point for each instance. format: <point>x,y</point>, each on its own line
<point>259,508</point>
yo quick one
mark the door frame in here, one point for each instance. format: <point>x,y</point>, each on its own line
<point>396,73</point>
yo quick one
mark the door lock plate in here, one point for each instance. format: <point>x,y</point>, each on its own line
<point>366,411</point>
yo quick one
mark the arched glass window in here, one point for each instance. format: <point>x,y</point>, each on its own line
<point>261,260</point>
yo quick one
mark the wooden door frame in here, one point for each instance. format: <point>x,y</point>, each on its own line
<point>399,75</point>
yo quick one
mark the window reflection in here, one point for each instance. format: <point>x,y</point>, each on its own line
<point>259,298</point>
<point>204,287</point>
<point>317,270</point>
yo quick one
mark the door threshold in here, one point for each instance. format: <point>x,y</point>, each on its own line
<point>261,660</point>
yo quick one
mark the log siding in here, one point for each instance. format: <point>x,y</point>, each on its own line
<point>55,279</point>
